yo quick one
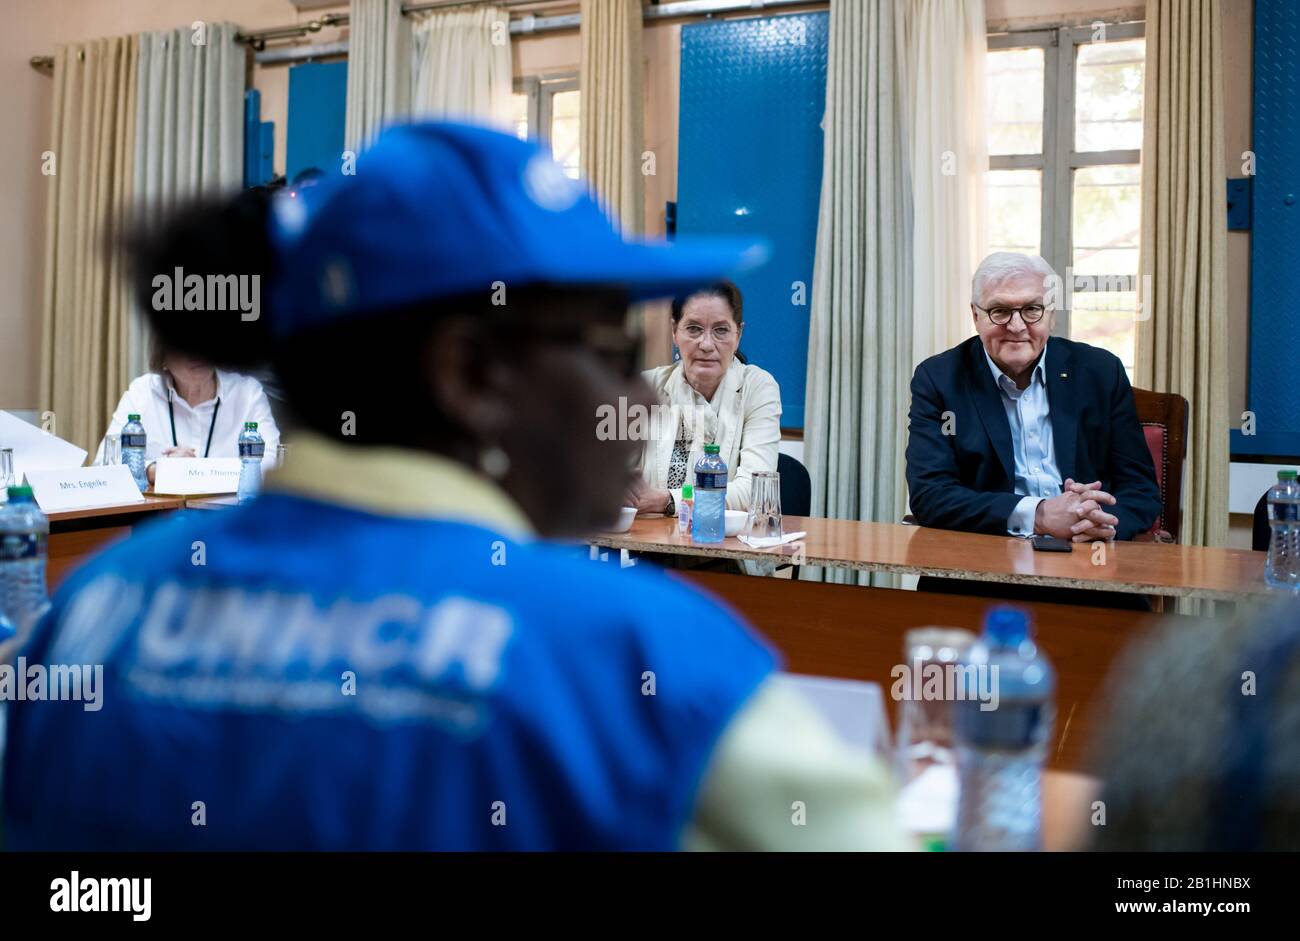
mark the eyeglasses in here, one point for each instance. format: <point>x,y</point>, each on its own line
<point>1030,313</point>
<point>721,333</point>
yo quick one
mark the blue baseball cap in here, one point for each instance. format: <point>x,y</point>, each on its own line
<point>440,210</point>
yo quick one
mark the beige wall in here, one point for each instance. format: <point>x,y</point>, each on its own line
<point>34,27</point>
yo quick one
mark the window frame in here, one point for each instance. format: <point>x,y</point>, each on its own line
<point>1059,159</point>
<point>541,89</point>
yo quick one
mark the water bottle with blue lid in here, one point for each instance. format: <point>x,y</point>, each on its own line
<point>710,516</point>
<point>1002,720</point>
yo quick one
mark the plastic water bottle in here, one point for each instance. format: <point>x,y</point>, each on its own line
<point>133,442</point>
<point>1002,746</point>
<point>710,517</point>
<point>24,531</point>
<point>251,449</point>
<point>1282,570</point>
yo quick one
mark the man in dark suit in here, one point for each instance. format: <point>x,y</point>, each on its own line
<point>1006,428</point>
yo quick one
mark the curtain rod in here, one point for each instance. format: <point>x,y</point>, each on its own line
<point>525,24</point>
<point>530,23</point>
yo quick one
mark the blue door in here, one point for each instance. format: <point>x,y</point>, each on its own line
<point>750,164</point>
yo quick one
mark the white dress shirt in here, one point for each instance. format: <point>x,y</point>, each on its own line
<point>1030,417</point>
<point>241,398</point>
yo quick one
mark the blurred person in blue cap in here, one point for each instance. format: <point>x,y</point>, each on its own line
<point>381,651</point>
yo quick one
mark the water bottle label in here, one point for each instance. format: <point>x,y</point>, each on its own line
<point>708,480</point>
<point>15,547</point>
<point>134,440</point>
<point>252,448</point>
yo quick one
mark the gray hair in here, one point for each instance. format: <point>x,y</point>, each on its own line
<point>1002,265</point>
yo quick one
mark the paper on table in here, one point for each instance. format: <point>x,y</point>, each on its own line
<point>34,449</point>
<point>853,708</point>
<point>766,542</point>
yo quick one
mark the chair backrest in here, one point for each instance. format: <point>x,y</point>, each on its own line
<point>1163,416</point>
<point>796,487</point>
<point>1260,534</point>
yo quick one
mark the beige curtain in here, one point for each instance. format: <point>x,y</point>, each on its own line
<point>189,129</point>
<point>379,69</point>
<point>943,66</point>
<point>462,65</point>
<point>85,309</point>
<point>612,116</point>
<point>860,337</point>
<point>1183,346</point>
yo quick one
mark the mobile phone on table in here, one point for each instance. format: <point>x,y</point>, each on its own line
<point>1052,544</point>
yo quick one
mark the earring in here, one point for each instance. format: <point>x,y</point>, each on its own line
<point>494,462</point>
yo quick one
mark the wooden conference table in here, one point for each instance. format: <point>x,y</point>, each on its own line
<point>857,632</point>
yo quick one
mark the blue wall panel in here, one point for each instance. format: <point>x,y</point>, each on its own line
<point>318,94</point>
<point>1275,240</point>
<point>750,164</point>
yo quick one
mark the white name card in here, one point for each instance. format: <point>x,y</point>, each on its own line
<point>81,487</point>
<point>186,476</point>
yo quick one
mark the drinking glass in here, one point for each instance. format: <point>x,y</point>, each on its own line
<point>925,725</point>
<point>281,452</point>
<point>112,450</point>
<point>764,520</point>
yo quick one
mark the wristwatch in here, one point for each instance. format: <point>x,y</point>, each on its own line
<point>671,509</point>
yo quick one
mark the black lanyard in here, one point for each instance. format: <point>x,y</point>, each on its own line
<point>171,413</point>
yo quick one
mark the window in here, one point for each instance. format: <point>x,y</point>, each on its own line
<point>1065,139</point>
<point>551,103</point>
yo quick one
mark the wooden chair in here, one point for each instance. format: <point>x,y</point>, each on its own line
<point>1163,416</point>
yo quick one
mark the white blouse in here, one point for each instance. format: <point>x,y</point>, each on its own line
<point>241,399</point>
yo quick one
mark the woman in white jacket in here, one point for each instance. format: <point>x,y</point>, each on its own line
<point>708,397</point>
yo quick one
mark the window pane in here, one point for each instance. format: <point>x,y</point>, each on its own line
<point>565,139</point>
<point>1108,96</point>
<point>519,114</point>
<point>1015,199</point>
<point>1015,101</point>
<point>1107,219</point>
<point>1107,319</point>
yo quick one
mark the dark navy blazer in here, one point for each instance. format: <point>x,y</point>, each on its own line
<point>966,479</point>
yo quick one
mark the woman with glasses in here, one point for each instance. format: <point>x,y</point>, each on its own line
<point>382,651</point>
<point>708,397</point>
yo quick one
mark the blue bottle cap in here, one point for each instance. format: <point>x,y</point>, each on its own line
<point>1006,625</point>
